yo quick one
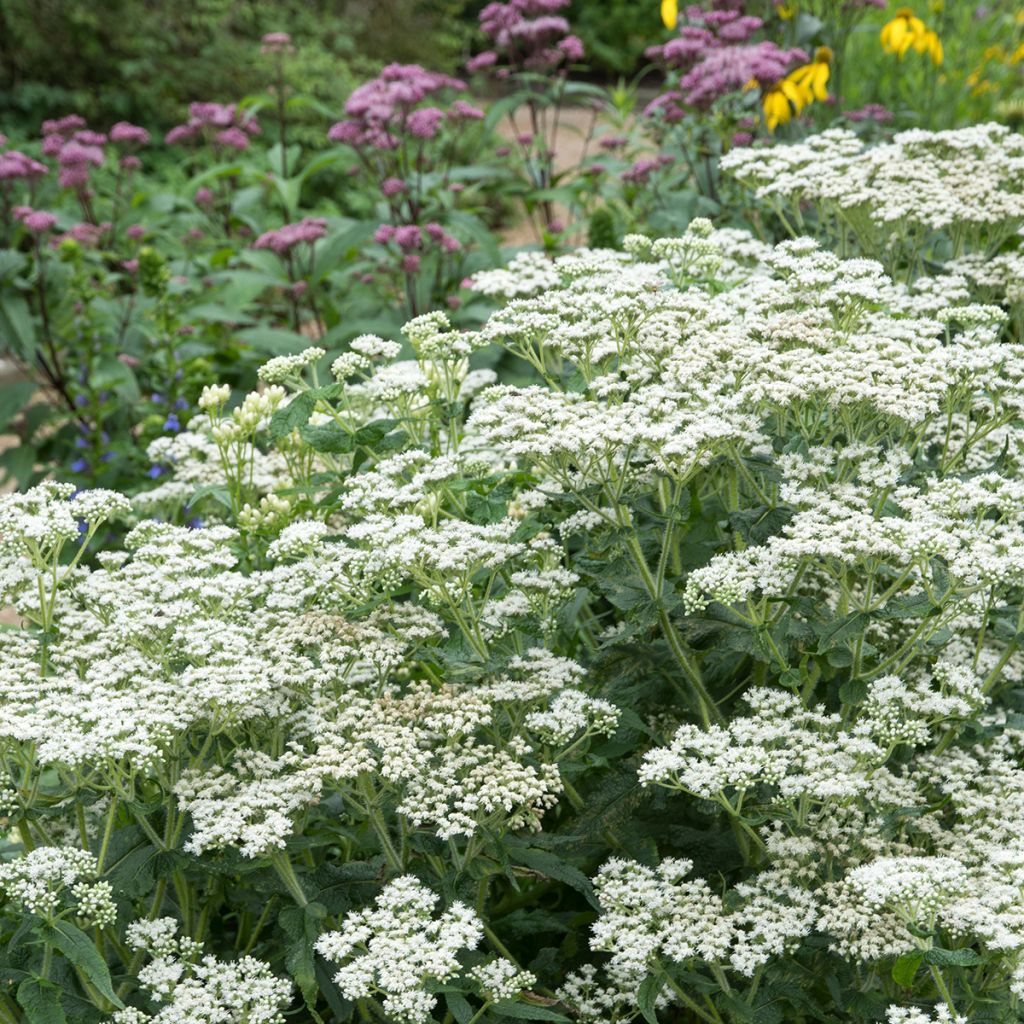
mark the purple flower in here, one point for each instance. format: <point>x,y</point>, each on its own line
<point>63,125</point>
<point>277,42</point>
<point>155,471</point>
<point>129,162</point>
<point>78,154</point>
<point>52,145</point>
<point>172,423</point>
<point>204,197</point>
<point>39,222</point>
<point>14,164</point>
<point>392,187</point>
<point>179,133</point>
<point>572,47</point>
<point>435,231</point>
<point>130,133</point>
<point>384,234</point>
<point>410,264</point>
<point>870,112</point>
<point>460,109</point>
<point>235,138</point>
<point>425,123</point>
<point>481,61</point>
<point>408,236</point>
<point>79,466</point>
<point>284,239</point>
<point>135,231</point>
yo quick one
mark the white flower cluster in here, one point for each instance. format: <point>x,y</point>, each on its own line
<point>968,182</point>
<point>53,878</point>
<point>397,947</point>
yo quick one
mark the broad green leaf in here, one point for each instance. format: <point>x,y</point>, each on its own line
<point>520,1010</point>
<point>292,416</point>
<point>78,948</point>
<point>952,957</point>
<point>13,398</point>
<point>647,996</point>
<point>301,926</point>
<point>40,999</point>
<point>905,968</point>
<point>552,866</point>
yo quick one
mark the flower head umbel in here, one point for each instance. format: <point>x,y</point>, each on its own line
<point>396,948</point>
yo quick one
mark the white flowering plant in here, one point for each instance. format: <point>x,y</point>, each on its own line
<point>679,681</point>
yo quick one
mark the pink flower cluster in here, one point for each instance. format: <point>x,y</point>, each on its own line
<point>716,57</point>
<point>223,123</point>
<point>527,35</point>
<point>15,164</point>
<point>282,240</point>
<point>409,238</point>
<point>641,171</point>
<point>77,148</point>
<point>386,108</point>
<point>36,221</point>
<point>276,42</point>
<point>870,112</point>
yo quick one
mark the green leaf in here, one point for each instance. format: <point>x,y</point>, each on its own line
<point>526,1011</point>
<point>647,996</point>
<point>129,863</point>
<point>293,415</point>
<point>459,1007</point>
<point>845,629</point>
<point>905,968</point>
<point>13,398</point>
<point>952,957</point>
<point>78,948</point>
<point>17,332</point>
<point>301,926</point>
<point>551,866</point>
<point>334,439</point>
<point>11,261</point>
<point>40,999</point>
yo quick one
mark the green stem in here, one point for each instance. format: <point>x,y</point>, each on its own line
<point>283,866</point>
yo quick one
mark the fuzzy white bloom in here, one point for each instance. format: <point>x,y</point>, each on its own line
<point>396,947</point>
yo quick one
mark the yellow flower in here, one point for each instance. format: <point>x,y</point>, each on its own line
<point>669,13</point>
<point>787,12</point>
<point>776,107</point>
<point>907,30</point>
<point>1018,55</point>
<point>928,42</point>
<point>801,87</point>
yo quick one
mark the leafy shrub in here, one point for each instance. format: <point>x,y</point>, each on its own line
<point>700,651</point>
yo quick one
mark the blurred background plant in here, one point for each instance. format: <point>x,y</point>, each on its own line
<point>174,198</point>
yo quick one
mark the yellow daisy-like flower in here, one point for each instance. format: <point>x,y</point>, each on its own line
<point>787,12</point>
<point>776,106</point>
<point>798,90</point>
<point>906,31</point>
<point>898,35</point>
<point>670,13</point>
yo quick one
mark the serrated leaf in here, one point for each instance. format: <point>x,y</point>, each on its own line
<point>292,416</point>
<point>905,968</point>
<point>520,1010</point>
<point>552,866</point>
<point>301,926</point>
<point>647,996</point>
<point>459,1007</point>
<point>845,629</point>
<point>78,948</point>
<point>952,957</point>
<point>40,999</point>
